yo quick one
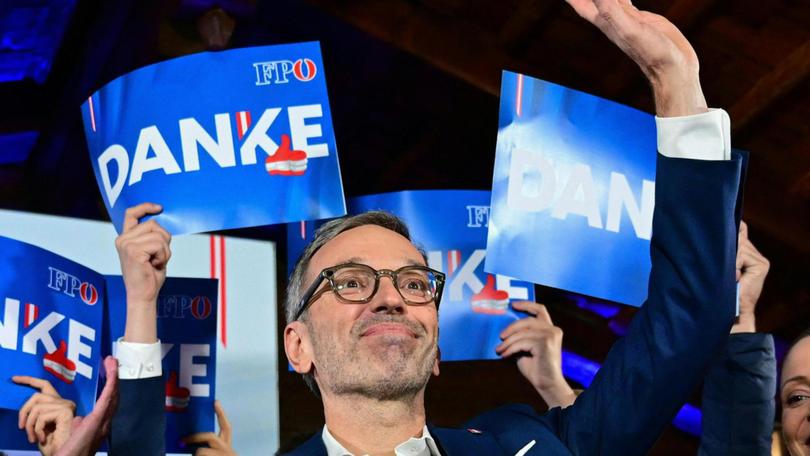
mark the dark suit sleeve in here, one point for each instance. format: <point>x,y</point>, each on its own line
<point>649,373</point>
<point>738,398</point>
<point>139,424</point>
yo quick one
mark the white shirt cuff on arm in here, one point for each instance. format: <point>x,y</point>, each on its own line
<point>137,361</point>
<point>705,136</point>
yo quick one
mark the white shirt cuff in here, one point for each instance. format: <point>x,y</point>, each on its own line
<point>137,361</point>
<point>705,136</point>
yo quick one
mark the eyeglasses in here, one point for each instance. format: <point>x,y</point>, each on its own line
<point>356,283</point>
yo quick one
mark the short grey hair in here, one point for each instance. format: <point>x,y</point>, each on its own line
<point>324,234</point>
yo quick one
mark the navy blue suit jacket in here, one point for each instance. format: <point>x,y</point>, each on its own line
<point>646,376</point>
<point>649,373</point>
<point>738,398</point>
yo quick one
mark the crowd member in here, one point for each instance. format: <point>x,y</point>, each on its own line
<point>362,306</point>
<point>794,396</point>
<point>49,420</point>
<point>362,328</point>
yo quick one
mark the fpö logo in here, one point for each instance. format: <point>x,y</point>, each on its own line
<point>179,306</point>
<point>72,286</point>
<point>282,71</point>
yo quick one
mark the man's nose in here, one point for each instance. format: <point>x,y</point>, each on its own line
<point>388,298</point>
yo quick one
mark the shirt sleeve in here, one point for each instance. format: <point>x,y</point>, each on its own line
<point>137,361</point>
<point>705,136</point>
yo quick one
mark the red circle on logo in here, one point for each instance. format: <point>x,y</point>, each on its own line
<point>298,70</point>
<point>201,307</point>
<point>88,293</point>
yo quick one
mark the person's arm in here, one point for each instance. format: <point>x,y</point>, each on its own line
<point>650,373</point>
<point>143,248</point>
<point>538,344</point>
<point>739,389</point>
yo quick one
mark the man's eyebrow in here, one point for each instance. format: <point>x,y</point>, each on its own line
<point>797,378</point>
<point>359,260</point>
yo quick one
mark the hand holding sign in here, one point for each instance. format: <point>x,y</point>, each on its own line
<point>661,51</point>
<point>45,417</point>
<point>538,338</point>
<point>219,445</point>
<point>144,253</point>
<point>752,268</point>
<point>48,419</point>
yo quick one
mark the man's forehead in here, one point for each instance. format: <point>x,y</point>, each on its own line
<point>368,244</point>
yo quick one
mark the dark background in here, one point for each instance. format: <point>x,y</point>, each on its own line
<point>413,87</point>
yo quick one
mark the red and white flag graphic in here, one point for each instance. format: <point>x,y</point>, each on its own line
<point>242,123</point>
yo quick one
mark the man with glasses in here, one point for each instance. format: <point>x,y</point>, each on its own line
<point>362,305</point>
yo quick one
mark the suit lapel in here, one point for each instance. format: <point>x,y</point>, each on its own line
<point>464,442</point>
<point>312,447</point>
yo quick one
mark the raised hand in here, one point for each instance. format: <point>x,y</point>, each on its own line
<point>143,249</point>
<point>752,268</point>
<point>540,342</point>
<point>661,51</point>
<point>218,445</point>
<point>46,417</point>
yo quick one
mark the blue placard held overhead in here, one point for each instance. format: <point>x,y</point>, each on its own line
<point>573,191</point>
<point>50,328</point>
<point>187,329</point>
<point>222,140</point>
<point>451,226</point>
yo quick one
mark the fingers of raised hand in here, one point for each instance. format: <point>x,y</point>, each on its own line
<point>45,412</point>
<point>42,385</point>
<point>135,213</point>
<point>539,340</point>
<point>31,403</point>
<point>224,424</point>
<point>534,308</point>
<point>146,247</point>
<point>585,8</point>
<point>205,438</point>
<point>108,399</point>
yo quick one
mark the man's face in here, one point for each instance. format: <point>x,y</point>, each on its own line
<point>383,349</point>
<point>795,397</point>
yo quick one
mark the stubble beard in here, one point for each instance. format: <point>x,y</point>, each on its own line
<point>389,371</point>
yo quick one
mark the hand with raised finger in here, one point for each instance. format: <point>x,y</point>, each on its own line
<point>218,445</point>
<point>46,417</point>
<point>539,344</point>
<point>752,269</point>
<point>143,249</point>
<point>87,433</point>
<point>661,51</point>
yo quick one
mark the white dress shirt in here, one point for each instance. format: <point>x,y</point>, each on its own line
<point>421,446</point>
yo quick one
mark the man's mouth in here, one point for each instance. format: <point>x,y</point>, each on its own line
<point>384,329</point>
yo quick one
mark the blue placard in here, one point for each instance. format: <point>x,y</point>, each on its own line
<point>451,226</point>
<point>222,140</point>
<point>50,327</point>
<point>573,191</point>
<point>187,329</point>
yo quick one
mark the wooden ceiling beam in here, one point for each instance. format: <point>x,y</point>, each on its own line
<point>461,49</point>
<point>771,87</point>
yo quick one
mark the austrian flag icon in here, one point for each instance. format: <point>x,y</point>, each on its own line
<point>57,363</point>
<point>177,397</point>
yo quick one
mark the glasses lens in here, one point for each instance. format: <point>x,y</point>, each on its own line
<point>417,284</point>
<point>354,283</point>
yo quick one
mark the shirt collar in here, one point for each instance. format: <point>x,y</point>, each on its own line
<point>414,446</point>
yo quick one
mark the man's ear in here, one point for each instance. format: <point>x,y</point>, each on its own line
<point>298,347</point>
<point>436,362</point>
